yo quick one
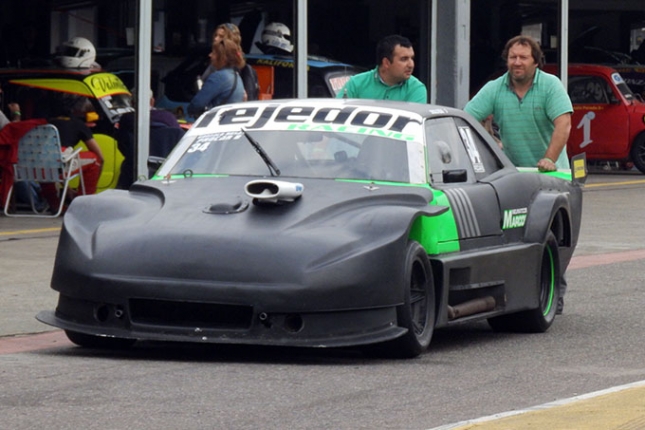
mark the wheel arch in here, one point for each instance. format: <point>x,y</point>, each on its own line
<point>429,242</point>
<point>554,207</point>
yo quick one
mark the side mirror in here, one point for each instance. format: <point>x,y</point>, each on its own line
<point>454,176</point>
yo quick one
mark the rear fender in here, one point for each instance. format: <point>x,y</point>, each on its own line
<point>548,206</point>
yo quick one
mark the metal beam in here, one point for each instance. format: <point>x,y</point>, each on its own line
<point>301,48</point>
<point>564,42</point>
<point>143,50</point>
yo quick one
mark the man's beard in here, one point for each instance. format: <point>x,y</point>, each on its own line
<point>524,79</point>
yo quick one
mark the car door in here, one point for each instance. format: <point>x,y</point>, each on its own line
<point>600,122</point>
<point>457,162</point>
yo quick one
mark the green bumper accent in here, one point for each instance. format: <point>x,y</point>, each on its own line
<point>562,174</point>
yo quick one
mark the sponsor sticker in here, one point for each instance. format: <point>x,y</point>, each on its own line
<point>514,218</point>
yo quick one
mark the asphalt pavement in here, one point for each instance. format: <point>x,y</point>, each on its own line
<point>27,243</point>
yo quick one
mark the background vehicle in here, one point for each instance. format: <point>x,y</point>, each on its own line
<point>36,90</point>
<point>634,77</point>
<point>319,223</point>
<point>608,122</point>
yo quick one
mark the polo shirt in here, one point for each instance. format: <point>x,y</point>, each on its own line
<point>525,125</point>
<point>369,85</point>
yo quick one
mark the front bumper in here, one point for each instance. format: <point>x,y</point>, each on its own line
<point>200,322</point>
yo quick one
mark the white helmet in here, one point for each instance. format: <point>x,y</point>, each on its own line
<point>77,53</point>
<point>277,35</point>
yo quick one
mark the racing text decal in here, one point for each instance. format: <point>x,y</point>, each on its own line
<point>514,218</point>
<point>349,119</point>
<point>104,84</point>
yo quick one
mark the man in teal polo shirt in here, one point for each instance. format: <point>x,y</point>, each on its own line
<point>533,111</point>
<point>531,107</point>
<point>392,78</point>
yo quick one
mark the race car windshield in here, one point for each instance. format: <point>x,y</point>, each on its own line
<point>302,154</point>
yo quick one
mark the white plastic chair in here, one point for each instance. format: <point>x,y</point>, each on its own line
<point>40,160</point>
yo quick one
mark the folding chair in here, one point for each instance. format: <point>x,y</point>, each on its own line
<point>40,160</point>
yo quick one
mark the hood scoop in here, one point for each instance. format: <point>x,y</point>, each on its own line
<point>269,191</point>
<point>226,208</point>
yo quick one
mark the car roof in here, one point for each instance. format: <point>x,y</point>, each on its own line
<point>414,109</point>
<point>582,68</point>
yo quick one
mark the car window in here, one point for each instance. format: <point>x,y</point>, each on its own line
<point>590,90</point>
<point>622,86</point>
<point>306,154</point>
<point>483,159</point>
<point>454,145</point>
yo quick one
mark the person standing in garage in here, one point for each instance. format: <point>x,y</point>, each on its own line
<point>392,78</point>
<point>225,84</point>
<point>533,112</point>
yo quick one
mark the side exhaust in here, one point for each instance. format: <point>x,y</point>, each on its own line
<point>471,307</point>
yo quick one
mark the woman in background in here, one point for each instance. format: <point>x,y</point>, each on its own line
<point>224,85</point>
<point>224,31</point>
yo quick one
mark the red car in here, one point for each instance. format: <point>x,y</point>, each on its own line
<point>608,121</point>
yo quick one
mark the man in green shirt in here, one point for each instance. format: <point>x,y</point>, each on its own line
<point>531,107</point>
<point>392,78</point>
<point>533,111</point>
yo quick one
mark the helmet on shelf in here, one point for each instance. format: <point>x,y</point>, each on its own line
<point>77,53</point>
<point>277,35</point>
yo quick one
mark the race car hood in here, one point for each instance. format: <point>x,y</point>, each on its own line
<point>182,230</point>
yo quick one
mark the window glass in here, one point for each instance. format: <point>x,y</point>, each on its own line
<point>454,145</point>
<point>483,159</point>
<point>590,90</point>
<point>304,154</point>
<point>446,151</point>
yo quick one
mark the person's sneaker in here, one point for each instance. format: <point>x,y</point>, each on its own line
<point>560,307</point>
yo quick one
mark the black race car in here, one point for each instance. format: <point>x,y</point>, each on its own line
<point>319,223</point>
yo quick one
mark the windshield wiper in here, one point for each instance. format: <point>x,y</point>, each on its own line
<point>273,169</point>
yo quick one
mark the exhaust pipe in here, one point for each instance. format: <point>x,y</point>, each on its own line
<point>471,307</point>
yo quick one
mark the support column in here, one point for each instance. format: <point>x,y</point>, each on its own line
<point>451,76</point>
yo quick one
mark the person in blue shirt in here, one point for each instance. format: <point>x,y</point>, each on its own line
<point>224,85</point>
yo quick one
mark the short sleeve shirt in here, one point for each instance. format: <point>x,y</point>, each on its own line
<point>525,125</point>
<point>368,85</point>
<point>71,130</point>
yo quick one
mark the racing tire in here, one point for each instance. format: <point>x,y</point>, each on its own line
<point>638,152</point>
<point>98,342</point>
<point>417,313</point>
<point>537,320</point>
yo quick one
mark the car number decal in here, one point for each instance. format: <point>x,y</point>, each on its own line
<point>585,124</point>
<point>202,143</point>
